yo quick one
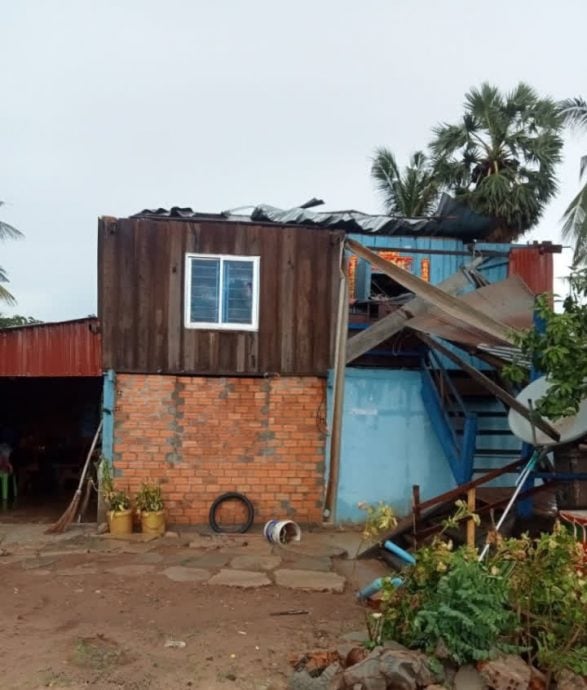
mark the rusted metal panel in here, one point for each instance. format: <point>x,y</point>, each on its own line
<point>141,297</point>
<point>510,302</point>
<point>69,348</point>
<point>534,265</point>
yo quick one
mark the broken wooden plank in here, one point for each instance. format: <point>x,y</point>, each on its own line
<point>393,323</point>
<point>435,296</point>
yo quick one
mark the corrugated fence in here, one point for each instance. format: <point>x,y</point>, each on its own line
<point>69,348</point>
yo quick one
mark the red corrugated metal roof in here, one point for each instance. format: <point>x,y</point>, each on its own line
<point>68,348</point>
<point>534,266</point>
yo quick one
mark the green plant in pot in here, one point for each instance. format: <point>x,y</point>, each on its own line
<point>151,509</point>
<point>117,501</point>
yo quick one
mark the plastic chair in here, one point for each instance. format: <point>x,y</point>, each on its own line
<point>5,483</point>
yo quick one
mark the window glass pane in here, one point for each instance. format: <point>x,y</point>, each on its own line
<point>237,291</point>
<point>204,290</point>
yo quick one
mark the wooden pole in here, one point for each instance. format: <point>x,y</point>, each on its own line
<point>471,505</point>
<point>393,323</point>
<point>416,510</point>
<point>342,325</point>
<point>449,304</point>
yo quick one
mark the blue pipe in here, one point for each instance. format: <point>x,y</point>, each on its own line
<point>395,549</point>
<point>377,585</point>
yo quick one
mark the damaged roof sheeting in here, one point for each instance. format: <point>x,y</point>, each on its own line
<point>451,219</point>
<point>510,302</point>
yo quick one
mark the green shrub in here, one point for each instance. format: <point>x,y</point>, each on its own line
<point>529,596</point>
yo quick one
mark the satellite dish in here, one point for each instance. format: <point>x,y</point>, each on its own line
<point>569,428</point>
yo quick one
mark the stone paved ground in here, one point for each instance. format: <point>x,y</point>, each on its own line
<point>80,608</point>
<point>322,561</point>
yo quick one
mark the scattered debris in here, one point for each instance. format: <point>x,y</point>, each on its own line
<point>282,531</point>
<point>174,644</point>
<point>290,612</point>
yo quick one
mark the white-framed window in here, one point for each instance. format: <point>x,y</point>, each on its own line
<point>222,292</point>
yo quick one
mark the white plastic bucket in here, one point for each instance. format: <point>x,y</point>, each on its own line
<point>282,531</point>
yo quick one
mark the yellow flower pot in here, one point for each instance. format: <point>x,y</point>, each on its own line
<point>120,522</point>
<point>153,523</point>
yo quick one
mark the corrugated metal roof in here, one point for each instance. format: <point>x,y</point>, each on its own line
<point>66,348</point>
<point>510,302</point>
<point>451,219</point>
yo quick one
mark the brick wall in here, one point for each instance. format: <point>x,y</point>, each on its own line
<point>201,437</point>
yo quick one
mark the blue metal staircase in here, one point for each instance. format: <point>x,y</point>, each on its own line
<point>472,430</point>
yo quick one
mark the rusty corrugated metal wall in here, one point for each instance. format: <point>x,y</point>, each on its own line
<point>534,265</point>
<point>69,348</point>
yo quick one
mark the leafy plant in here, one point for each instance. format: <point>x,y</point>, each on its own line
<point>530,595</point>
<point>380,517</point>
<point>548,592</point>
<point>558,349</point>
<point>466,616</point>
<point>149,499</point>
<point>450,605</point>
<point>117,500</point>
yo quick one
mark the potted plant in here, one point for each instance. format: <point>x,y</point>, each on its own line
<point>119,513</point>
<point>151,509</point>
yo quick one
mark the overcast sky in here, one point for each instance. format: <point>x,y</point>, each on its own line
<point>112,106</point>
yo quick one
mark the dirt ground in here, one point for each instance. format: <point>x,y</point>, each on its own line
<point>68,622</point>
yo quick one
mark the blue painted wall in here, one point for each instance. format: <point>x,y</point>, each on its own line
<point>387,443</point>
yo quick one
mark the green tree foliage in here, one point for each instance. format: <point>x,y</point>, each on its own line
<point>501,157</point>
<point>16,320</point>
<point>409,193</point>
<point>558,349</point>
<point>6,232</point>
<point>575,216</point>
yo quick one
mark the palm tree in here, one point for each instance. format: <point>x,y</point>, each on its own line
<point>6,232</point>
<point>574,228</point>
<point>410,193</point>
<point>501,157</point>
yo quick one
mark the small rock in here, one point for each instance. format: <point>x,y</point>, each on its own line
<point>406,669</point>
<point>310,563</point>
<point>365,674</point>
<point>506,673</point>
<point>240,578</point>
<point>356,636</point>
<point>302,680</point>
<point>131,570</point>
<point>567,680</point>
<point>102,528</point>
<point>254,562</point>
<point>310,580</point>
<point>178,573</point>
<point>171,535</point>
<point>469,678</point>
<point>538,680</point>
<point>213,559</point>
<point>33,563</point>
<point>174,644</point>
